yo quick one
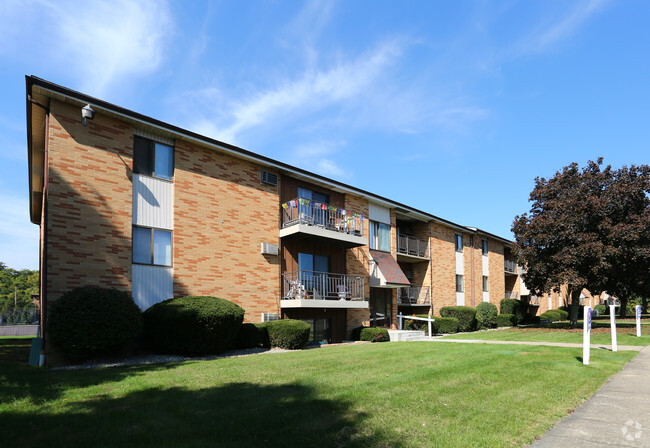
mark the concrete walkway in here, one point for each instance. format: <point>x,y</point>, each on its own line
<point>617,415</point>
<point>636,348</point>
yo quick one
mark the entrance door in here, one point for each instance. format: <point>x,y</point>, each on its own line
<point>380,307</point>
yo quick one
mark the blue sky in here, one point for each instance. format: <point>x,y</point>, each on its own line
<point>450,107</point>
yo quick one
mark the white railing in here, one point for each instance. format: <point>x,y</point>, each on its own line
<point>314,213</point>
<point>414,295</point>
<point>322,286</point>
<point>401,317</point>
<point>412,246</point>
<point>512,295</point>
<point>510,266</point>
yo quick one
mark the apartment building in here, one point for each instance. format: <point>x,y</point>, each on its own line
<point>126,201</point>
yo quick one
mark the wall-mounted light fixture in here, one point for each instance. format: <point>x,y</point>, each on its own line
<point>87,112</point>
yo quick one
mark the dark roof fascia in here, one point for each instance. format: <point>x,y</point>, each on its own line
<point>47,85</point>
<point>28,109</point>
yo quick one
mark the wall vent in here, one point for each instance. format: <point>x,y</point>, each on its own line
<point>268,178</point>
<point>268,317</point>
<point>269,249</point>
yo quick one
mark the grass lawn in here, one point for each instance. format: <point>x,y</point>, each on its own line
<point>561,332</point>
<point>391,394</point>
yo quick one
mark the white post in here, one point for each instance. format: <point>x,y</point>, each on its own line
<point>586,338</point>
<point>430,327</point>
<point>612,321</point>
<point>399,318</point>
<point>638,321</point>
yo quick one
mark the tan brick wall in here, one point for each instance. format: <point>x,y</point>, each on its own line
<point>497,271</point>
<point>443,266</point>
<point>222,214</point>
<point>89,202</point>
<point>358,260</point>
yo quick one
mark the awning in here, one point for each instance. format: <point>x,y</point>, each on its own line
<point>386,272</point>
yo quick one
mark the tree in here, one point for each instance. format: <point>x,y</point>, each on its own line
<point>587,228</point>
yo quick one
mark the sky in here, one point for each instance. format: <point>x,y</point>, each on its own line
<point>453,108</point>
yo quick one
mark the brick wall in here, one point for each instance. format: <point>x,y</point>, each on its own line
<point>222,214</point>
<point>443,266</point>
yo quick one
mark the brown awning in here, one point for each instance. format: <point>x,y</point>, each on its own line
<point>389,268</point>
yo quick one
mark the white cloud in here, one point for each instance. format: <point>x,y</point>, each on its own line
<point>319,157</point>
<point>99,43</point>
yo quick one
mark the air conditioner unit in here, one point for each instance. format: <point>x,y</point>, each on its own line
<point>268,178</point>
<point>269,249</point>
<point>268,317</point>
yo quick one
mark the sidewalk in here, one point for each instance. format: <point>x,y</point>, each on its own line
<point>617,415</point>
<point>549,344</point>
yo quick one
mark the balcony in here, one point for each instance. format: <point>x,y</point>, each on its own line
<point>307,219</point>
<point>309,289</point>
<point>414,295</point>
<point>512,295</point>
<point>410,249</point>
<point>510,266</point>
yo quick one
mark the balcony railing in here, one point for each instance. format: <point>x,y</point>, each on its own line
<point>322,286</point>
<point>512,294</point>
<point>534,300</point>
<point>412,246</point>
<point>510,266</point>
<point>314,213</point>
<point>414,295</point>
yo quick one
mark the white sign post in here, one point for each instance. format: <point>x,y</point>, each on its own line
<point>612,321</point>
<point>586,339</point>
<point>638,321</point>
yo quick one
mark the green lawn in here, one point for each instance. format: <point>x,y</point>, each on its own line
<point>392,394</point>
<point>560,332</point>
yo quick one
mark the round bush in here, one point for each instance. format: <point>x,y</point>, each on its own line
<point>445,325</point>
<point>248,336</point>
<point>90,321</point>
<point>375,334</point>
<point>289,334</point>
<point>555,315</point>
<point>355,334</point>
<point>193,325</point>
<point>486,315</point>
<point>506,320</point>
<point>509,306</point>
<point>466,316</point>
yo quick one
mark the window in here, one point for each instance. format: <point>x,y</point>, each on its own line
<point>484,245</point>
<point>152,158</point>
<point>459,242</point>
<point>486,286</point>
<point>152,246</point>
<point>459,283</point>
<point>379,236</point>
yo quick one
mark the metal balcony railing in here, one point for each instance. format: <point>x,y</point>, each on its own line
<point>314,213</point>
<point>414,295</point>
<point>322,286</point>
<point>512,295</point>
<point>510,266</point>
<point>534,300</point>
<point>412,246</point>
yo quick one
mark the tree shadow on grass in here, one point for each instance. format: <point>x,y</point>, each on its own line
<point>232,415</point>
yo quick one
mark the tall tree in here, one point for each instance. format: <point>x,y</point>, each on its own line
<point>587,228</point>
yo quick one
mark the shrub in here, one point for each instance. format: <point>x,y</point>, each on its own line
<point>90,321</point>
<point>375,334</point>
<point>602,310</point>
<point>466,316</point>
<point>528,319</point>
<point>355,334</point>
<point>193,325</point>
<point>506,320</point>
<point>251,335</point>
<point>445,325</point>
<point>486,315</point>
<point>510,306</point>
<point>289,334</point>
<point>555,315</point>
<point>417,325</point>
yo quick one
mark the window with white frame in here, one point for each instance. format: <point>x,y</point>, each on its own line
<point>459,283</point>
<point>484,246</point>
<point>459,242</point>
<point>379,236</point>
<point>152,246</point>
<point>486,286</point>
<point>153,158</point>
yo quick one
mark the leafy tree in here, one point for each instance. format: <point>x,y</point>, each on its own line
<point>16,289</point>
<point>587,228</point>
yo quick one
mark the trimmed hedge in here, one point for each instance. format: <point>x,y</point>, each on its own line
<point>445,325</point>
<point>90,321</point>
<point>374,334</point>
<point>290,334</point>
<point>510,306</point>
<point>486,315</point>
<point>252,335</point>
<point>193,325</point>
<point>555,315</point>
<point>417,325</point>
<point>466,316</point>
<point>355,334</point>
<point>506,320</point>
